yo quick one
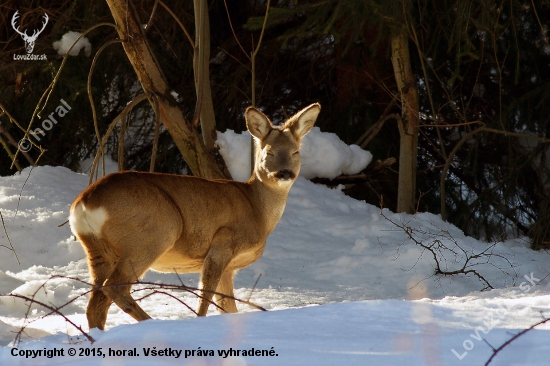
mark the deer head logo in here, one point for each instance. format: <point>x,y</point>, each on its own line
<point>29,40</point>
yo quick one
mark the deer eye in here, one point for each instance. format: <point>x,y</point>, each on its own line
<point>295,153</point>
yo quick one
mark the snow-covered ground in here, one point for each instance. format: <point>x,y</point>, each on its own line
<point>342,283</point>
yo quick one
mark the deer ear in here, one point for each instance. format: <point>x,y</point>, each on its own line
<point>257,123</point>
<point>302,122</point>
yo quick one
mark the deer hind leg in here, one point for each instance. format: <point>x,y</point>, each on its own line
<point>138,249</point>
<point>117,289</point>
<point>101,263</point>
<point>97,309</point>
<point>225,287</point>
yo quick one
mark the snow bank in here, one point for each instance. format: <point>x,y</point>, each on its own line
<point>235,149</point>
<point>63,45</point>
<point>323,155</point>
<point>362,333</point>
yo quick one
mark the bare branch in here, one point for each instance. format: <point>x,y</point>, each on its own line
<point>89,89</point>
<point>457,147</point>
<point>7,236</point>
<point>156,138</point>
<point>155,288</point>
<point>496,351</point>
<point>178,21</point>
<point>434,243</point>
<point>14,143</point>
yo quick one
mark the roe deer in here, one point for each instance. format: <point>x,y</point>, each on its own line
<point>129,222</point>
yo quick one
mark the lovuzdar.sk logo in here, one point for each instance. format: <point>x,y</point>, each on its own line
<point>29,40</point>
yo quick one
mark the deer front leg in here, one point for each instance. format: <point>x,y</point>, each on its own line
<point>217,259</point>
<point>225,287</point>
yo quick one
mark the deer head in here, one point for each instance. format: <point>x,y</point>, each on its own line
<point>29,40</point>
<point>277,147</point>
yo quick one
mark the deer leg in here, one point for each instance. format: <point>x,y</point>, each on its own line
<point>216,261</point>
<point>101,264</point>
<point>97,309</point>
<point>225,287</point>
<point>125,273</point>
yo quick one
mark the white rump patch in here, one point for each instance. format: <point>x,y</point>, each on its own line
<point>87,221</point>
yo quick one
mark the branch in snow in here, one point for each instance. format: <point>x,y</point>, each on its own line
<point>505,344</point>
<point>52,308</point>
<point>373,170</point>
<point>154,288</point>
<point>442,245</point>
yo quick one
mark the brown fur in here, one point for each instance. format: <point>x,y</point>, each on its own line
<point>129,222</point>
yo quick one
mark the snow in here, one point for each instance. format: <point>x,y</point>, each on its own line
<point>175,95</point>
<point>111,166</point>
<point>65,43</point>
<point>325,155</point>
<point>235,149</point>
<point>342,281</point>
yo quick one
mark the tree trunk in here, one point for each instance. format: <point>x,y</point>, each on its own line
<point>201,68</point>
<point>201,62</point>
<point>154,84</point>
<point>408,128</point>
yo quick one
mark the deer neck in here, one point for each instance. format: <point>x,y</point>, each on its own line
<point>269,201</point>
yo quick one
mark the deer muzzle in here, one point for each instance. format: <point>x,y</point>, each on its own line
<point>285,175</point>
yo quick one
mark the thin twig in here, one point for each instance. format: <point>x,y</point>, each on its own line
<point>436,246</point>
<point>10,154</point>
<point>255,50</point>
<point>21,192</point>
<point>457,147</point>
<point>123,121</point>
<point>7,236</point>
<point>47,93</point>
<point>373,130</point>
<point>179,22</point>
<point>12,141</point>
<point>156,138</point>
<point>90,97</point>
<point>122,117</point>
<point>156,288</point>
<point>422,194</point>
<point>254,287</point>
<point>233,30</point>
<point>496,351</point>
<point>152,15</point>
<point>53,310</point>
<point>198,58</point>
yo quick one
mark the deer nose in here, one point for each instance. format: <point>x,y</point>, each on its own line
<point>285,174</point>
